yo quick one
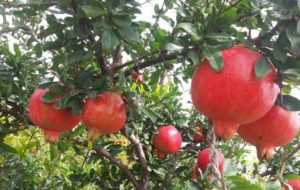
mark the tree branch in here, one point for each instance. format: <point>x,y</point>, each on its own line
<point>285,160</point>
<point>151,61</point>
<point>102,151</point>
<point>170,174</point>
<point>138,147</point>
<point>33,4</point>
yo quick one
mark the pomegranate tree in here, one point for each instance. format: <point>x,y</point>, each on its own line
<point>53,121</point>
<point>203,159</point>
<point>167,140</point>
<point>277,128</point>
<point>105,114</point>
<point>233,96</point>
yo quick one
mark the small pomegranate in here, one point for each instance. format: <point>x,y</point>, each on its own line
<point>137,77</point>
<point>277,128</point>
<point>294,183</point>
<point>106,114</point>
<point>203,159</point>
<point>233,96</point>
<point>199,134</point>
<point>53,121</point>
<point>167,140</point>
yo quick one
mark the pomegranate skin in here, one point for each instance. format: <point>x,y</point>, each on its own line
<point>167,140</point>
<point>277,128</point>
<point>294,183</point>
<point>106,114</point>
<point>53,121</point>
<point>203,159</point>
<point>233,96</point>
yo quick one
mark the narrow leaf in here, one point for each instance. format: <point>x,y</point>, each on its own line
<point>109,40</point>
<point>290,103</point>
<point>215,58</point>
<point>188,28</point>
<point>262,67</point>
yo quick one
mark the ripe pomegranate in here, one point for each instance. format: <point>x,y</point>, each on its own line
<point>106,114</point>
<point>199,134</point>
<point>167,140</point>
<point>203,159</point>
<point>137,77</point>
<point>277,128</point>
<point>234,95</point>
<point>294,183</point>
<point>53,121</point>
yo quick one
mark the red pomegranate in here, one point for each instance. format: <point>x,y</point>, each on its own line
<point>137,77</point>
<point>167,140</point>
<point>199,134</point>
<point>234,95</point>
<point>294,183</point>
<point>277,128</point>
<point>53,121</point>
<point>106,114</point>
<point>203,159</point>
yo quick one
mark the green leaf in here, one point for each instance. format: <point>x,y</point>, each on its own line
<point>155,77</point>
<point>188,28</point>
<point>193,56</point>
<point>17,50</point>
<point>292,176</point>
<point>215,58</point>
<point>109,40</point>
<point>240,183</point>
<point>149,113</point>
<point>122,21</point>
<point>5,148</point>
<point>53,152</point>
<point>172,47</point>
<point>262,67</point>
<point>289,102</point>
<point>91,11</point>
<point>129,34</point>
<point>229,168</point>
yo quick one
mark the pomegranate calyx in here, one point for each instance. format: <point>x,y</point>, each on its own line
<point>51,136</point>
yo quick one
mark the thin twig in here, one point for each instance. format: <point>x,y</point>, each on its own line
<point>33,4</point>
<point>102,151</point>
<point>285,160</point>
<point>138,147</point>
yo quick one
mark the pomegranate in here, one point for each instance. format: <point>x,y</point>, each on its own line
<point>53,121</point>
<point>294,183</point>
<point>199,134</point>
<point>106,114</point>
<point>167,140</point>
<point>277,128</point>
<point>137,77</point>
<point>233,96</point>
<point>203,159</point>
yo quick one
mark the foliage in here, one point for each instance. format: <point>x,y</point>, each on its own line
<point>93,46</point>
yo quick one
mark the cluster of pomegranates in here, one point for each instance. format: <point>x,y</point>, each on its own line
<point>235,99</point>
<point>105,114</point>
